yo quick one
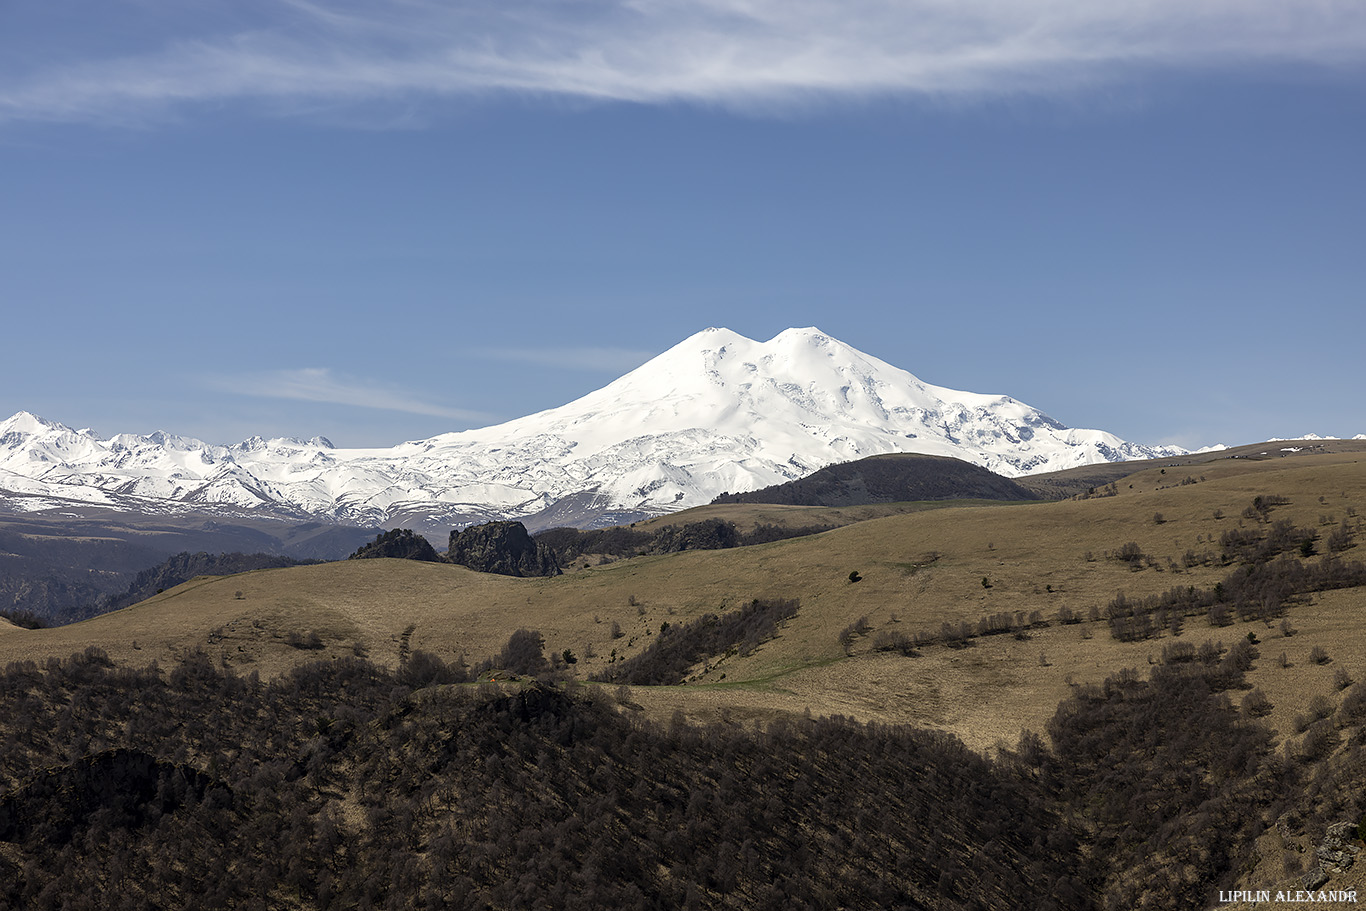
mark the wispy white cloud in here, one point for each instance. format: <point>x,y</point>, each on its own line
<point>600,360</point>
<point>319,384</point>
<point>733,52</point>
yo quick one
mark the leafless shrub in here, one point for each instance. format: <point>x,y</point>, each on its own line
<point>1131,554</point>
<point>312,641</point>
<point>888,641</point>
<point>858,628</point>
<point>1255,704</point>
<point>1353,708</point>
<point>1319,740</point>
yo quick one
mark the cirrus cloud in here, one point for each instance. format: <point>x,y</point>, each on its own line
<point>298,53</point>
<point>320,384</point>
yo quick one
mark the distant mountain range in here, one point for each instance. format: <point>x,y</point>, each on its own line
<point>716,413</point>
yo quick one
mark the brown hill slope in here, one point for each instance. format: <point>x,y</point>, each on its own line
<point>1055,485</point>
<point>918,571</point>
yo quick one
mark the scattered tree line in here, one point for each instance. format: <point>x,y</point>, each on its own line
<point>570,544</point>
<point>679,647</point>
<point>1273,571</point>
<point>1255,592</point>
<point>1172,785</point>
<point>952,635</point>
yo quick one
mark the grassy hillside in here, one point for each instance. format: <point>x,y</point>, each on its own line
<point>917,571</point>
<point>1165,768</point>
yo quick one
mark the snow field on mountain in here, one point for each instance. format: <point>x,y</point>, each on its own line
<point>717,412</point>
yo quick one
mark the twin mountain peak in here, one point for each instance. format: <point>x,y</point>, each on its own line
<point>716,413</point>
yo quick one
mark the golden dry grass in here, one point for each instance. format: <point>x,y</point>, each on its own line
<point>746,516</point>
<point>919,569</point>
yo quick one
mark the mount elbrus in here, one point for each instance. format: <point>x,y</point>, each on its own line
<point>716,413</point>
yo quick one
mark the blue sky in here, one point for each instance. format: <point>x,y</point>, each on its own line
<point>380,221</point>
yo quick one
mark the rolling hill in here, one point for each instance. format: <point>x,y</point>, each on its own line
<point>918,571</point>
<point>893,478</point>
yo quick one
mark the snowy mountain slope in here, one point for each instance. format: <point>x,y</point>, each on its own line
<point>717,412</point>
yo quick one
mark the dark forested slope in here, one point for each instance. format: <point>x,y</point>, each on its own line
<point>344,785</point>
<point>893,478</point>
<point>341,787</point>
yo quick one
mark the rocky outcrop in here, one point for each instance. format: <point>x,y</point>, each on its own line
<point>504,548</point>
<point>401,544</point>
<point>1335,854</point>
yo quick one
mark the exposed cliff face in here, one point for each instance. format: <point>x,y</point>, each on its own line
<point>1335,855</point>
<point>504,548</point>
<point>400,544</point>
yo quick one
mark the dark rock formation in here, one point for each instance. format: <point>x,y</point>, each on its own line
<point>401,544</point>
<point>1335,855</point>
<point>504,548</point>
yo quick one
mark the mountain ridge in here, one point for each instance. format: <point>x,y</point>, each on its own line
<point>717,412</point>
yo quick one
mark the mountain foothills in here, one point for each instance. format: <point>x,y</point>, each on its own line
<point>717,413</point>
<point>1145,695</point>
<point>62,565</point>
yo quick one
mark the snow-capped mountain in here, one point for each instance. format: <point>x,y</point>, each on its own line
<point>717,412</point>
